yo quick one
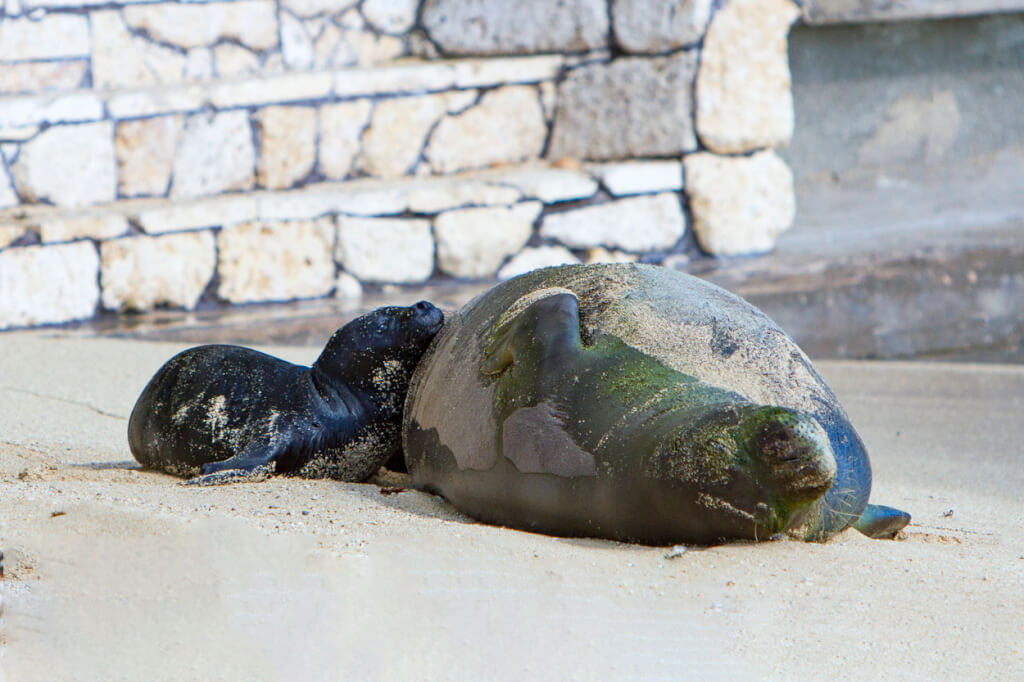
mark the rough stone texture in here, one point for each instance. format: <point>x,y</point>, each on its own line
<point>252,23</point>
<point>309,8</point>
<point>51,108</point>
<point>296,44</point>
<point>279,89</point>
<point>341,126</point>
<point>637,224</point>
<point>155,101</point>
<point>287,138</point>
<point>442,196</point>
<point>547,183</point>
<point>391,16</point>
<point>68,165</point>
<point>347,287</point>
<point>386,249</point>
<point>233,61</point>
<point>473,242</point>
<point>9,234</point>
<point>215,155</point>
<point>640,177</point>
<point>632,107</point>
<point>743,88</point>
<point>50,37</point>
<point>516,26</point>
<point>41,76</point>
<point>45,285</point>
<point>121,60</point>
<point>659,25</point>
<point>599,254</point>
<point>263,261</point>
<point>8,197</point>
<point>139,273</point>
<point>145,154</point>
<point>506,126</point>
<point>69,228</point>
<point>392,143</point>
<point>199,64</point>
<point>739,204</point>
<point>536,257</point>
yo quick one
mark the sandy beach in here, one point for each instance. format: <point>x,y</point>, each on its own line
<point>114,573</point>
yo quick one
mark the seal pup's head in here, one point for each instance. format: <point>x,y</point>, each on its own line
<point>376,353</point>
<point>758,468</point>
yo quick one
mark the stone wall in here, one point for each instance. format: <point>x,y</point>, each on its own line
<point>170,154</point>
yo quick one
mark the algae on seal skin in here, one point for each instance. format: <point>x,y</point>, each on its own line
<point>700,419</point>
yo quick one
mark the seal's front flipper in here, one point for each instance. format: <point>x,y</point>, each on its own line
<point>545,332</point>
<point>260,473</point>
<point>881,522</point>
<point>253,462</point>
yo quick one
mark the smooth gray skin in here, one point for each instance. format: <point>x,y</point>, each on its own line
<point>683,322</point>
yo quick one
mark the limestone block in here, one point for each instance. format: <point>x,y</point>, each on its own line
<point>632,107</point>
<point>536,257</point>
<point>8,197</point>
<point>57,107</point>
<point>386,249</point>
<point>70,228</point>
<point>347,287</point>
<point>659,25</point>
<point>69,165</point>
<point>296,44</point>
<point>744,100</point>
<point>448,194</point>
<point>506,126</point>
<point>481,72</point>
<point>516,26</point>
<point>139,273</point>
<point>48,284</point>
<point>199,64</point>
<point>174,216</point>
<point>167,99</point>
<point>547,183</point>
<point>369,49</point>
<point>145,154</point>
<point>373,202</point>
<point>392,143</point>
<point>472,242</point>
<point>739,204</point>
<point>10,234</point>
<point>252,23</point>
<point>403,79</point>
<point>265,261</point>
<point>215,155</point>
<point>290,87</point>
<point>391,16</point>
<point>122,60</point>
<point>309,8</point>
<point>51,37</point>
<point>41,76</point>
<point>287,145</point>
<point>234,61</point>
<point>640,177</point>
<point>638,224</point>
<point>341,126</point>
<point>599,254</point>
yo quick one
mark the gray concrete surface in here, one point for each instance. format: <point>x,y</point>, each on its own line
<point>115,573</point>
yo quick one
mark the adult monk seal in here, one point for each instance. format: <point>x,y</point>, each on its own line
<point>635,403</point>
<point>218,408</point>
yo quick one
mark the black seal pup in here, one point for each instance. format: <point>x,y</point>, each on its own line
<point>229,412</point>
<point>634,403</point>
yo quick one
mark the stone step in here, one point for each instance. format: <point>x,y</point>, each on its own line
<point>861,11</point>
<point>326,238</point>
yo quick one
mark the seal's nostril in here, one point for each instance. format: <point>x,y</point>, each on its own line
<point>422,306</point>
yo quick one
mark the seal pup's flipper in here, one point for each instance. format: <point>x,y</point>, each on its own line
<point>881,522</point>
<point>542,328</point>
<point>255,462</point>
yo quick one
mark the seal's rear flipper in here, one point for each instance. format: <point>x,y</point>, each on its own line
<point>255,462</point>
<point>881,522</point>
<point>544,329</point>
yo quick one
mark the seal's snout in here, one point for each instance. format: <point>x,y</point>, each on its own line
<point>428,315</point>
<point>795,453</point>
